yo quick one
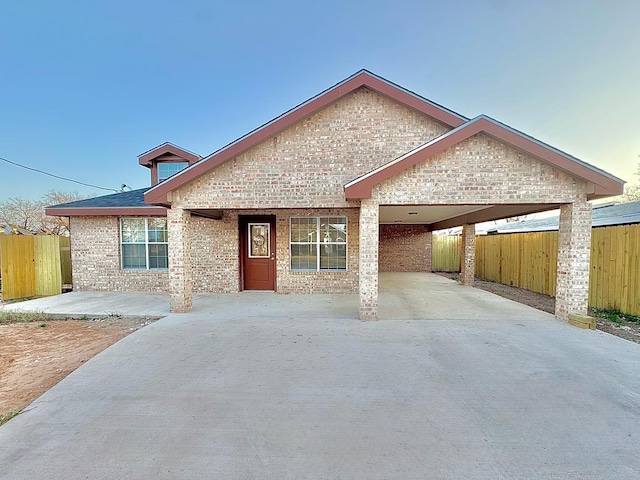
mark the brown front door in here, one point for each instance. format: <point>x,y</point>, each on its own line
<point>258,245</point>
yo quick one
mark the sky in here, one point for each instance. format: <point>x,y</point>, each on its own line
<point>86,87</point>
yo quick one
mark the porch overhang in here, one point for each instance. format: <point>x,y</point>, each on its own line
<point>440,217</point>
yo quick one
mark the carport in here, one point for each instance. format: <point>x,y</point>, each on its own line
<point>480,171</point>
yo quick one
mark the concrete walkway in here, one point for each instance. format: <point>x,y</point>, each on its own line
<point>260,385</point>
<point>97,303</point>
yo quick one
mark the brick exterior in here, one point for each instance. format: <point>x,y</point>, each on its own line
<point>302,171</point>
<point>95,259</point>
<point>574,249</point>
<point>317,282</point>
<point>307,165</point>
<point>369,231</point>
<point>468,255</point>
<point>479,170</point>
<point>216,251</point>
<point>404,248</point>
<point>180,274</point>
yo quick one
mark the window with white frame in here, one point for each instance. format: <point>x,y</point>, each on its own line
<point>167,169</point>
<point>318,244</point>
<point>144,243</point>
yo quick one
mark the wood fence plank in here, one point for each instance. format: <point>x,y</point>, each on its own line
<point>48,276</point>
<point>18,266</point>
<point>529,260</point>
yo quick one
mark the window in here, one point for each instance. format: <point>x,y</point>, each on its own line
<point>167,169</point>
<point>144,243</point>
<point>318,244</point>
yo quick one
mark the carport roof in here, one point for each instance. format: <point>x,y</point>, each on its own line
<point>602,183</point>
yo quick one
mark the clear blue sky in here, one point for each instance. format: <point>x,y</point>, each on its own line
<point>86,86</point>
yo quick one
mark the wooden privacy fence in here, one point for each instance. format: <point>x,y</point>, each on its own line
<point>33,266</point>
<point>524,260</point>
<point>615,268</point>
<point>528,260</point>
<point>445,256</point>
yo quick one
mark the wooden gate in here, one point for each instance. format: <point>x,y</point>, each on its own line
<point>30,266</point>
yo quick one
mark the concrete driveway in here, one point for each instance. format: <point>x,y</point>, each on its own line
<point>260,385</point>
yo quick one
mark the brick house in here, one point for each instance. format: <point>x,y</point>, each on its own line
<point>323,197</point>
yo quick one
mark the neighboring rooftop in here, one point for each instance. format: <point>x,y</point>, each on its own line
<point>603,216</point>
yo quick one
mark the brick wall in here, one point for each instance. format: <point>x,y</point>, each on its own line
<point>404,248</point>
<point>479,170</point>
<point>214,253</point>
<point>95,259</point>
<point>215,247</point>
<point>317,282</point>
<point>307,165</point>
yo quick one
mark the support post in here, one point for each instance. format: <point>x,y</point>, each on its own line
<point>574,255</point>
<point>369,238</point>
<point>180,275</point>
<point>468,255</point>
<point>429,246</point>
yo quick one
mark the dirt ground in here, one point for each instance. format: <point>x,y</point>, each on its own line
<point>627,330</point>
<point>36,356</point>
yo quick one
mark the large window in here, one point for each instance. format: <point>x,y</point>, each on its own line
<point>318,244</point>
<point>167,169</point>
<point>144,243</point>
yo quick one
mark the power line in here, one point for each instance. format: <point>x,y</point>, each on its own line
<point>57,176</point>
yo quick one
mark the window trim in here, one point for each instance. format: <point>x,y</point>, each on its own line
<point>318,243</point>
<point>146,244</point>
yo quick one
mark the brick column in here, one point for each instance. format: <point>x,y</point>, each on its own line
<point>428,267</point>
<point>369,237</point>
<point>574,255</point>
<point>180,275</point>
<point>468,255</point>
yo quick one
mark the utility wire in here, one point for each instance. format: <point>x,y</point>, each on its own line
<point>57,176</point>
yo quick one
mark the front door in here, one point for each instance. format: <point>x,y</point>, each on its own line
<point>258,245</point>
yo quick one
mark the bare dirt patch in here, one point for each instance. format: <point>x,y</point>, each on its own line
<point>36,356</point>
<point>620,327</point>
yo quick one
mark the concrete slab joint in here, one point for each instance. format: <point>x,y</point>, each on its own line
<point>369,236</point>
<point>468,255</point>
<point>574,251</point>
<point>180,272</point>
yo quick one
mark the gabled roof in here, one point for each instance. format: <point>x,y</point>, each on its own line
<point>604,184</point>
<point>363,78</point>
<point>602,216</point>
<point>123,203</point>
<point>149,156</point>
